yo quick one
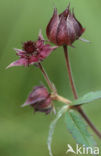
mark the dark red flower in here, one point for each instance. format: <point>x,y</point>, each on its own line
<point>33,52</point>
<point>40,100</point>
<point>29,46</point>
<point>64,29</point>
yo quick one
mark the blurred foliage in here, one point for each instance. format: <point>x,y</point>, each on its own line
<point>23,133</point>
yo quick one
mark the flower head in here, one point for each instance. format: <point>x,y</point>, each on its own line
<point>40,100</point>
<point>29,47</point>
<point>64,29</point>
<point>32,52</point>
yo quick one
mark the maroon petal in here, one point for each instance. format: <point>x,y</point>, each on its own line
<point>40,36</point>
<point>70,28</point>
<point>31,101</point>
<point>62,32</point>
<point>37,95</point>
<point>66,12</point>
<point>33,59</point>
<point>74,28</point>
<point>19,50</point>
<point>46,110</point>
<point>44,106</point>
<point>20,62</point>
<point>51,29</point>
<point>46,50</point>
<point>40,41</point>
<point>78,27</point>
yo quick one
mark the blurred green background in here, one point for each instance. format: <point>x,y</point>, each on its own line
<point>22,132</point>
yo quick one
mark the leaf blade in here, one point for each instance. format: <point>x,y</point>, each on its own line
<point>52,127</point>
<point>87,98</point>
<point>78,129</point>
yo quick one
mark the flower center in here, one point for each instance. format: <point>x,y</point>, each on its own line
<point>29,46</point>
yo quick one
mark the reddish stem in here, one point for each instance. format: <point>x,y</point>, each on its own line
<point>70,73</point>
<point>79,109</point>
<point>51,86</point>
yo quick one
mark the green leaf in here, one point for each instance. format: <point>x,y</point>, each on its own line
<point>78,129</point>
<point>52,127</point>
<point>89,97</point>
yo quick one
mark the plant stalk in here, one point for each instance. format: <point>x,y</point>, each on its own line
<point>54,94</point>
<point>60,99</point>
<point>51,86</point>
<point>72,83</point>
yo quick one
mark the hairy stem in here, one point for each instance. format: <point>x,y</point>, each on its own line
<point>51,86</point>
<point>79,109</point>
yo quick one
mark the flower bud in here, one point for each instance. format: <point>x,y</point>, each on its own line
<point>64,29</point>
<point>40,100</point>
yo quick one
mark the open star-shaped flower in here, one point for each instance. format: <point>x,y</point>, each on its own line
<point>32,52</point>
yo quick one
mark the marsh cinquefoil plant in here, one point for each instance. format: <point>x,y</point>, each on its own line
<point>62,30</point>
